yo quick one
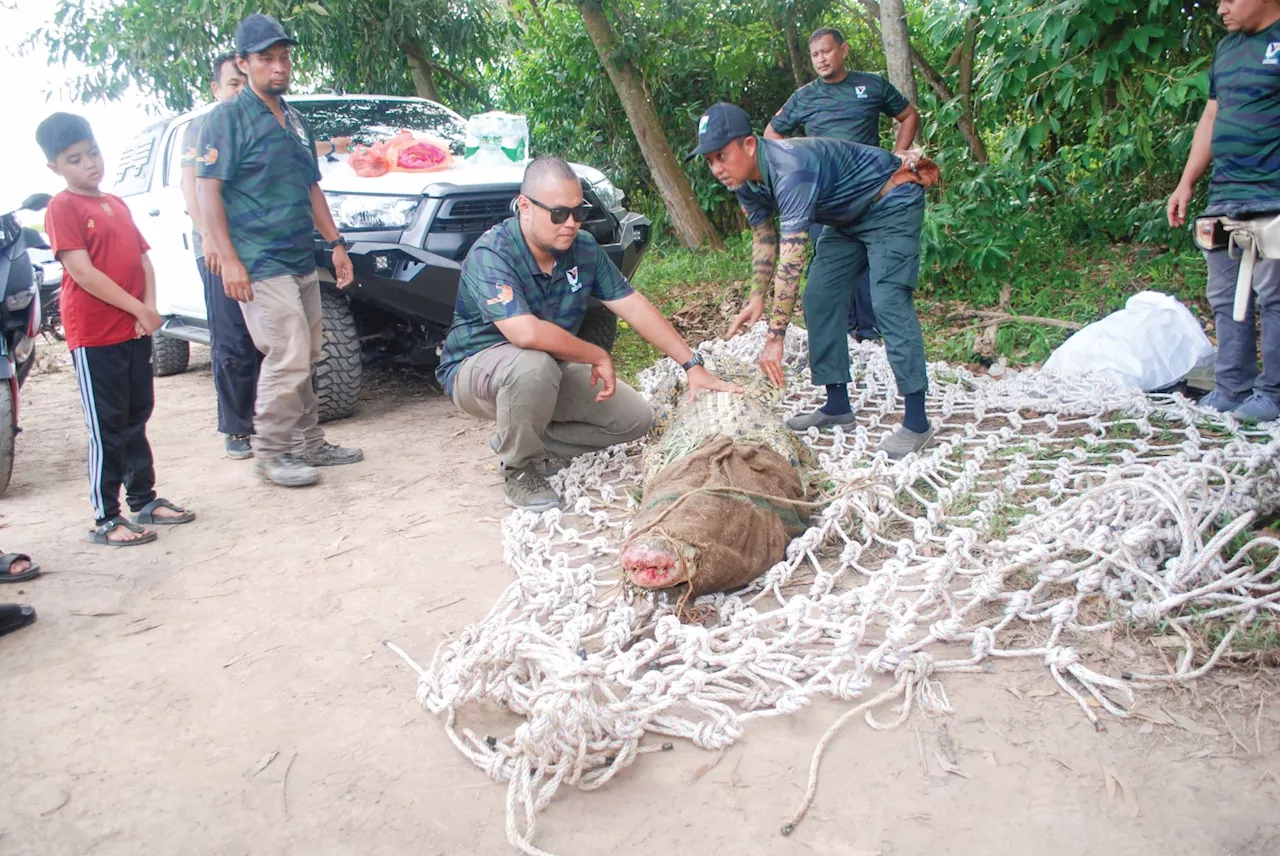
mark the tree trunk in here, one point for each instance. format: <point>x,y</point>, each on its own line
<point>968,120</point>
<point>897,48</point>
<point>798,68</point>
<point>688,219</point>
<point>424,83</point>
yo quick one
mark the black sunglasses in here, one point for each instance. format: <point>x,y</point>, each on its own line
<point>559,213</point>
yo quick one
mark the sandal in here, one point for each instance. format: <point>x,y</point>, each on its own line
<point>146,514</point>
<point>98,535</point>
<point>14,617</point>
<point>6,562</point>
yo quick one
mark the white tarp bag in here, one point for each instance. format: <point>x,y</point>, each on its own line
<point>1152,343</point>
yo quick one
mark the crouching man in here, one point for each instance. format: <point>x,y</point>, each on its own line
<point>511,354</point>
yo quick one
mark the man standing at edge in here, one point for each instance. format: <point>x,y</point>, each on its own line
<point>845,105</point>
<point>261,202</point>
<point>512,354</point>
<point>874,204</point>
<point>235,359</point>
<point>1239,134</point>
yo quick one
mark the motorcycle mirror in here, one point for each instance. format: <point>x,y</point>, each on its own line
<point>35,239</point>
<point>36,202</point>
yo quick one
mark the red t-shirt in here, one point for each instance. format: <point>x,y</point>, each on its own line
<point>103,226</point>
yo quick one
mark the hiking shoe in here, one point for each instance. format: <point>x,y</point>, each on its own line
<point>1259,407</point>
<point>529,490</point>
<point>549,466</point>
<point>1220,401</point>
<point>904,441</point>
<point>238,447</point>
<point>286,471</point>
<point>818,419</point>
<point>329,455</point>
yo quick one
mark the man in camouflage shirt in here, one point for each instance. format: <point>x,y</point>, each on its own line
<point>874,223</point>
<point>512,354</point>
<point>260,198</point>
<point>1239,134</point>
<point>845,105</point>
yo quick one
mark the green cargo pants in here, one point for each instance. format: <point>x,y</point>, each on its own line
<point>887,240</point>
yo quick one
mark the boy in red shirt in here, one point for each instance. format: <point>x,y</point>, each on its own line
<point>108,311</point>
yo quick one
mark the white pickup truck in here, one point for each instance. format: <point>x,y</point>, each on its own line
<point>407,235</point>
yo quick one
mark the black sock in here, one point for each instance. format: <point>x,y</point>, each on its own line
<point>915,420</point>
<point>837,399</point>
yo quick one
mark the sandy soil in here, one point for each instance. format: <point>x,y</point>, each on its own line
<point>139,710</point>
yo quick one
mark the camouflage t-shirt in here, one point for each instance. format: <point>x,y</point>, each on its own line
<point>500,279</point>
<point>190,145</point>
<point>1245,81</point>
<point>268,170</point>
<point>848,110</point>
<point>815,180</point>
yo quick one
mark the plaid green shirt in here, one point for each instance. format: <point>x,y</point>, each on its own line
<point>501,280</point>
<point>848,110</point>
<point>1245,81</point>
<point>268,171</point>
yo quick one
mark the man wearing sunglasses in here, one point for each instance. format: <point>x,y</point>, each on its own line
<point>512,355</point>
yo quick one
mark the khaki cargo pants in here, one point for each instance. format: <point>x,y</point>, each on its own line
<point>285,323</point>
<point>545,406</point>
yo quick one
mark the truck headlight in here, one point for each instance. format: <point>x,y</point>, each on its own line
<point>353,212</point>
<point>609,196</point>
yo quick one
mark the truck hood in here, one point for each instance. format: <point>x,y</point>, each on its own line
<point>338,177</point>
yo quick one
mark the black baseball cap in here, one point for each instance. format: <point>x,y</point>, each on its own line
<point>720,125</point>
<point>257,32</point>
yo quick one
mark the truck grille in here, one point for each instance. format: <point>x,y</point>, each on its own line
<point>472,215</point>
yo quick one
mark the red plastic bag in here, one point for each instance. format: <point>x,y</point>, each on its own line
<point>407,153</point>
<point>369,161</point>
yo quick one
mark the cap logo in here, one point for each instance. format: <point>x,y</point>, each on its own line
<point>702,125</point>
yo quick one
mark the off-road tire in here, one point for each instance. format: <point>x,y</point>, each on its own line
<point>6,434</point>
<point>599,327</point>
<point>337,375</point>
<point>169,356</point>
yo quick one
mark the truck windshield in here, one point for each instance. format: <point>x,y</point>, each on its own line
<point>368,120</point>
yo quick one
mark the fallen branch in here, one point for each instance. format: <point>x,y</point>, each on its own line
<point>992,318</point>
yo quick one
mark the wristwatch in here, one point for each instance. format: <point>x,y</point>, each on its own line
<point>339,242</point>
<point>695,360</point>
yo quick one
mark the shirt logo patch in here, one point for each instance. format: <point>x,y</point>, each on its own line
<point>505,296</point>
<point>90,224</point>
<point>210,156</point>
<point>861,90</point>
<point>574,282</point>
<point>1273,54</point>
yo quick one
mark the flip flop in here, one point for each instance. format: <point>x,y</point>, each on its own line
<point>98,535</point>
<point>6,562</point>
<point>146,514</point>
<point>14,617</point>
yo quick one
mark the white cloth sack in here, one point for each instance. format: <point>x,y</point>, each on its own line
<point>1152,343</point>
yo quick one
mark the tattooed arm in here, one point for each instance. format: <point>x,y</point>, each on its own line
<point>786,285</point>
<point>786,282</point>
<point>764,258</point>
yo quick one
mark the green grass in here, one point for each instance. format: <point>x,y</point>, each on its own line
<point>1059,279</point>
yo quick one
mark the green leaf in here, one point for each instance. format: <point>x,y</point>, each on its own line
<point>318,9</point>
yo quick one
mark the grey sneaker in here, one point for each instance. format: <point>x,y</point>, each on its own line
<point>904,441</point>
<point>528,489</point>
<point>238,447</point>
<point>329,455</point>
<point>1259,407</point>
<point>286,471</point>
<point>1220,401</point>
<point>818,419</point>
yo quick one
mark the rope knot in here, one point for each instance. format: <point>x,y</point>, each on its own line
<point>919,665</point>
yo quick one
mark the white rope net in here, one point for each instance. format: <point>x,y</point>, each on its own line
<point>1046,509</point>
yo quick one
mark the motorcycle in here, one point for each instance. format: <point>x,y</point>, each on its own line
<point>48,272</point>
<point>20,321</point>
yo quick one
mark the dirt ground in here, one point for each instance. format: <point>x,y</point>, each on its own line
<point>139,711</point>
